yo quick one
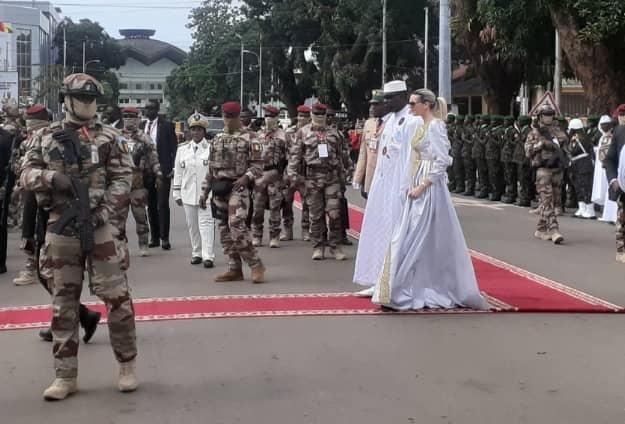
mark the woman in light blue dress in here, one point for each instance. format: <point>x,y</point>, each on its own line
<point>428,263</point>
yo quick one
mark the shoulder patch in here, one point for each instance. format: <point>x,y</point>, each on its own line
<point>122,144</point>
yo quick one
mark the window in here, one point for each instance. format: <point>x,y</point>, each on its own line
<point>123,86</point>
<point>124,101</point>
<point>160,86</point>
<point>151,86</point>
<point>138,101</point>
<point>24,61</point>
<point>138,86</point>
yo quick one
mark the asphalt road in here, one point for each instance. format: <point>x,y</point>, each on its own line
<point>494,368</point>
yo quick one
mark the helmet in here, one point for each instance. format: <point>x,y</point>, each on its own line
<point>576,124</point>
<point>81,84</point>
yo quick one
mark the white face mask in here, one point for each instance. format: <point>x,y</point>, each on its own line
<point>271,122</point>
<point>319,120</point>
<point>621,120</point>
<point>546,120</point>
<point>131,124</point>
<point>81,110</point>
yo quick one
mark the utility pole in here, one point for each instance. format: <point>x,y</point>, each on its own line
<point>260,77</point>
<point>425,59</point>
<point>557,74</point>
<point>383,42</point>
<point>84,43</point>
<point>444,52</point>
<point>64,53</point>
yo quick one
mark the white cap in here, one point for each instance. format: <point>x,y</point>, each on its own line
<point>576,124</point>
<point>605,119</point>
<point>395,87</point>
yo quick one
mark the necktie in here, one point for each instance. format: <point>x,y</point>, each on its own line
<point>195,149</point>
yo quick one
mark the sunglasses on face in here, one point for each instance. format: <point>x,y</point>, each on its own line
<point>413,104</point>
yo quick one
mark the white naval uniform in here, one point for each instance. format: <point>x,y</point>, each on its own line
<point>190,169</point>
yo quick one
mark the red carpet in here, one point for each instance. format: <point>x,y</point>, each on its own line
<point>507,288</point>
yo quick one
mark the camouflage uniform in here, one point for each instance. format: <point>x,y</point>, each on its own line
<point>268,188</point>
<point>453,139</point>
<point>468,138</point>
<point>543,147</point>
<point>289,194</point>
<point>479,155</point>
<point>320,150</point>
<point>493,157</point>
<point>524,169</point>
<point>456,154</point>
<point>146,167</point>
<point>510,135</point>
<point>234,155</point>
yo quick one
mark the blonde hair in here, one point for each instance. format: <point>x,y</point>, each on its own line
<point>438,105</point>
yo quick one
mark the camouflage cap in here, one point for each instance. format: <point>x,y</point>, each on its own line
<point>524,120</point>
<point>81,84</point>
<point>460,118</point>
<point>469,118</point>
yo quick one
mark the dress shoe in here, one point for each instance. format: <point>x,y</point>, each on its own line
<point>61,388</point>
<point>196,260</point>
<point>231,275</point>
<point>154,243</point>
<point>208,263</point>
<point>46,334</point>
<point>166,245</point>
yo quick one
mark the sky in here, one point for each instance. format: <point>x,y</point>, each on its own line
<point>167,17</point>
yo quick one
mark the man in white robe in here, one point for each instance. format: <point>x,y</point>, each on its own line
<point>385,201</point>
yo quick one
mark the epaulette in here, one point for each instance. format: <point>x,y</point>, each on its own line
<point>184,143</point>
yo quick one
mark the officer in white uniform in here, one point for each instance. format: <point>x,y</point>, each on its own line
<point>190,169</point>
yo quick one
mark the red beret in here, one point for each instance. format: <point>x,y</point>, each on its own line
<point>231,108</point>
<point>620,109</point>
<point>272,110</point>
<point>130,109</point>
<point>319,108</point>
<point>35,109</point>
<point>303,109</point>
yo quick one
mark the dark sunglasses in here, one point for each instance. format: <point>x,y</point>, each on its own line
<point>412,104</point>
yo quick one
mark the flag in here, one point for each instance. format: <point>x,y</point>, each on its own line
<point>5,28</point>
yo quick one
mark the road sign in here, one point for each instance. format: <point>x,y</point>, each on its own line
<point>546,100</point>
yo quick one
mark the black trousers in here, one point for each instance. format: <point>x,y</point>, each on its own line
<point>158,210</point>
<point>4,219</point>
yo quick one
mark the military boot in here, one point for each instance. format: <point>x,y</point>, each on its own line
<point>542,235</point>
<point>46,334</point>
<point>256,241</point>
<point>338,254</point>
<point>559,211</point>
<point>482,194</point>
<point>127,377</point>
<point>317,254</point>
<point>556,237</point>
<point>287,235</point>
<point>25,278</point>
<point>61,388</point>
<point>274,243</point>
<point>470,191</point>
<point>230,275</point>
<point>88,321</point>
<point>143,251</point>
<point>305,235</point>
<point>620,257</point>
<point>258,274</point>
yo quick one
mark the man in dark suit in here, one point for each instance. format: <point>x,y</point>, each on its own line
<point>611,165</point>
<point>6,186</point>
<point>163,134</point>
<point>112,116</point>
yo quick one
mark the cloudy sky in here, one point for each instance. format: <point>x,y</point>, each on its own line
<point>167,17</point>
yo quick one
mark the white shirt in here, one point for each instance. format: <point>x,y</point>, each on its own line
<point>190,169</point>
<point>151,128</point>
<point>621,169</point>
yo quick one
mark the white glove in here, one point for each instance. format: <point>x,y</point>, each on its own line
<point>356,185</point>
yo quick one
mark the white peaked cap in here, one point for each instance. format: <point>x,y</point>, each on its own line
<point>605,119</point>
<point>395,87</point>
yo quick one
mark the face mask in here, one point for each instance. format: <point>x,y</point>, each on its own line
<point>231,124</point>
<point>131,124</point>
<point>271,122</point>
<point>319,121</point>
<point>302,121</point>
<point>621,120</point>
<point>81,111</point>
<point>546,119</point>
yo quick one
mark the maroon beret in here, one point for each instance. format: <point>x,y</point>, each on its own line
<point>620,109</point>
<point>130,110</point>
<point>35,109</point>
<point>319,108</point>
<point>272,111</point>
<point>231,108</point>
<point>303,109</point>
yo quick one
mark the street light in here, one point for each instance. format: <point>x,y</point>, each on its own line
<point>242,50</point>
<point>85,64</point>
<point>260,79</point>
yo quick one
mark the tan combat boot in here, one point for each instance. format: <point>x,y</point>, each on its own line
<point>559,211</point>
<point>317,254</point>
<point>258,274</point>
<point>274,243</point>
<point>542,235</point>
<point>534,211</point>
<point>61,388</point>
<point>25,278</point>
<point>338,254</point>
<point>287,234</point>
<point>230,275</point>
<point>620,257</point>
<point>127,377</point>
<point>305,235</point>
<point>143,251</point>
<point>256,241</point>
<point>556,237</point>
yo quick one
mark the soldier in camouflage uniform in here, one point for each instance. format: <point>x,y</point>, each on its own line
<point>268,188</point>
<point>468,138</point>
<point>320,149</point>
<point>494,145</point>
<point>456,153</point>
<point>479,155</point>
<point>524,168</point>
<point>146,172</point>
<point>303,119</point>
<point>13,125</point>
<point>543,148</point>
<point>510,141</point>
<point>453,139</point>
<point>236,161</point>
<point>80,148</point>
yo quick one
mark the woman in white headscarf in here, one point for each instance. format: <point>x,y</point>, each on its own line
<point>427,264</point>
<point>600,180</point>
